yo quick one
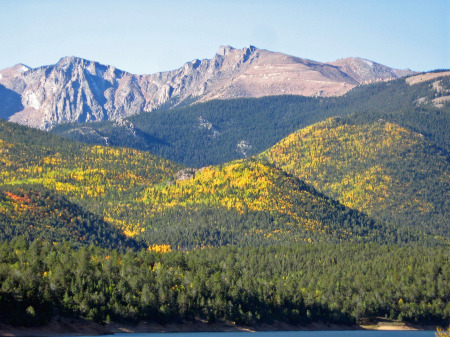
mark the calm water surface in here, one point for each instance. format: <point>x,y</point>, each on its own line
<point>358,333</point>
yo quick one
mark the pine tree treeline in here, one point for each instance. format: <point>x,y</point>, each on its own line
<point>295,284</point>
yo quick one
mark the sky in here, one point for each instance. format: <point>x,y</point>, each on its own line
<point>145,37</point>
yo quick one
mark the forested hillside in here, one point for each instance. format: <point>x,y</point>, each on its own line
<point>100,179</point>
<point>35,213</point>
<point>379,168</point>
<point>220,131</point>
<point>240,203</point>
<point>247,203</point>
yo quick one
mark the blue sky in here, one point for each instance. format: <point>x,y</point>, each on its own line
<point>148,36</point>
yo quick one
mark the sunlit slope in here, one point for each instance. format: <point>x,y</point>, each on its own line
<point>379,168</point>
<point>99,178</point>
<point>244,202</point>
<point>247,201</point>
<point>32,212</point>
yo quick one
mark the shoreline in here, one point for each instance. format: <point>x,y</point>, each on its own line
<point>79,327</point>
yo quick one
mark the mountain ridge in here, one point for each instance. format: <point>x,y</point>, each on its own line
<point>78,90</point>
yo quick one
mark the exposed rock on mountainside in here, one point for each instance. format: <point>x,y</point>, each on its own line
<point>440,87</point>
<point>365,71</point>
<point>75,89</point>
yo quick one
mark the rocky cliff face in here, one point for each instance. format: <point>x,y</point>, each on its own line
<point>75,89</point>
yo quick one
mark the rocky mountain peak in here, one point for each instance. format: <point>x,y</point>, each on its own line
<point>251,48</point>
<point>21,68</point>
<point>228,51</point>
<point>76,89</point>
<point>12,78</point>
<point>71,60</point>
<point>16,70</point>
<point>224,50</point>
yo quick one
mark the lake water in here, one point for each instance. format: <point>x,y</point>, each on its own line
<point>358,333</point>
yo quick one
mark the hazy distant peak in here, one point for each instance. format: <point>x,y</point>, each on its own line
<point>224,50</point>
<point>20,67</point>
<point>12,78</point>
<point>79,61</point>
<point>73,60</point>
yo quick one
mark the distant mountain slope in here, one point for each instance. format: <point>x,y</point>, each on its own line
<point>207,133</point>
<point>219,131</point>
<point>365,71</point>
<point>78,90</point>
<point>380,168</point>
<point>36,213</point>
<point>420,103</point>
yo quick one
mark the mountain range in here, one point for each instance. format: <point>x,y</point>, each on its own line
<point>275,165</point>
<point>292,191</point>
<point>79,90</point>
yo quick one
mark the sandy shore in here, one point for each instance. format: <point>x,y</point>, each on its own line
<point>71,327</point>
